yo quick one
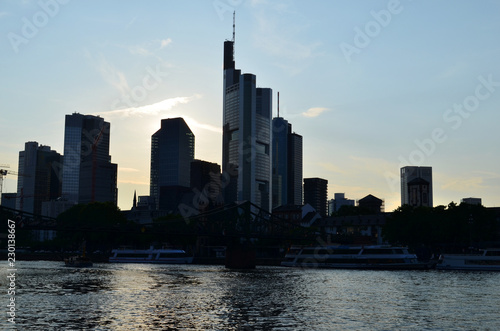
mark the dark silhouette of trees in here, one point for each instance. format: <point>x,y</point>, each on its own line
<point>455,225</point>
<point>101,225</point>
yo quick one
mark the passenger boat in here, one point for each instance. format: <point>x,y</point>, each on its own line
<point>151,255</point>
<point>353,257</point>
<point>487,259</point>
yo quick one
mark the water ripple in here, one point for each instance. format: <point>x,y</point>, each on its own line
<point>167,297</point>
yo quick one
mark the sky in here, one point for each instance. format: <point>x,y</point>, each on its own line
<point>370,85</point>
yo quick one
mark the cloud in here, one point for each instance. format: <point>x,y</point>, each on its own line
<point>195,124</point>
<point>132,21</point>
<point>164,108</point>
<point>109,73</point>
<point>139,50</point>
<point>314,112</point>
<point>280,33</point>
<point>464,185</point>
<point>165,42</point>
<point>152,109</point>
<point>128,169</point>
<point>333,168</point>
<point>135,182</point>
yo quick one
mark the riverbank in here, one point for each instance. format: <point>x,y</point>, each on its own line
<point>103,258</point>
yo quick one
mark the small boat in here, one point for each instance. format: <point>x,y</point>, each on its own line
<point>485,259</point>
<point>151,255</point>
<point>354,257</point>
<point>80,261</point>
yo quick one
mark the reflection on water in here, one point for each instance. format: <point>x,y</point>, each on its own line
<point>171,297</point>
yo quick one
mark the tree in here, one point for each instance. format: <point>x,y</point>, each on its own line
<point>457,225</point>
<point>101,225</point>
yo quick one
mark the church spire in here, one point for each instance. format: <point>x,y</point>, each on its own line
<point>134,205</point>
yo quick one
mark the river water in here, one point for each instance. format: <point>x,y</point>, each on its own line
<point>193,297</point>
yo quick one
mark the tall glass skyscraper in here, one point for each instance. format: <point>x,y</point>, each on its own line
<point>286,164</point>
<point>88,174</point>
<point>246,147</point>
<point>172,151</point>
<point>41,177</point>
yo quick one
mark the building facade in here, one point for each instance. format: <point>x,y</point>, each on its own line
<point>372,204</point>
<point>416,186</point>
<point>39,177</point>
<point>316,193</point>
<point>206,184</point>
<point>87,173</point>
<point>172,151</point>
<point>286,164</point>
<point>246,146</point>
<point>338,201</point>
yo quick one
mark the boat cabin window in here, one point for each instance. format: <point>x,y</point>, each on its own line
<point>492,253</point>
<point>170,255</point>
<point>372,251</point>
<point>134,255</point>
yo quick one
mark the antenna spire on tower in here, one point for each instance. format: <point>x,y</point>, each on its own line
<point>278,104</point>
<point>234,24</point>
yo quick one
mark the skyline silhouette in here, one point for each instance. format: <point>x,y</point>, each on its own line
<point>410,91</point>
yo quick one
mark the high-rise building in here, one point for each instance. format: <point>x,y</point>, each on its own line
<point>315,194</point>
<point>40,177</point>
<point>206,184</point>
<point>246,150</point>
<point>88,174</point>
<point>172,151</point>
<point>416,186</point>
<point>286,164</point>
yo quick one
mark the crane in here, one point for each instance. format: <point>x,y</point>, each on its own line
<point>4,172</point>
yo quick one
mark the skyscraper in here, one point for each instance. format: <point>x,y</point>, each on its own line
<point>286,164</point>
<point>246,150</point>
<point>416,186</point>
<point>41,178</point>
<point>315,194</point>
<point>88,174</point>
<point>172,151</point>
<point>206,183</point>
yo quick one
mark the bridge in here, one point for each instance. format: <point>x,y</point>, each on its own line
<point>238,227</point>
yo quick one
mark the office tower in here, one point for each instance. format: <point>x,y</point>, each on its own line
<point>416,186</point>
<point>206,184</point>
<point>246,135</point>
<point>286,164</point>
<point>88,174</point>
<point>39,177</point>
<point>315,194</point>
<point>172,151</point>
<point>337,202</point>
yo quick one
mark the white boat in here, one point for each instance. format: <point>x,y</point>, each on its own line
<point>487,259</point>
<point>151,255</point>
<point>353,257</point>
